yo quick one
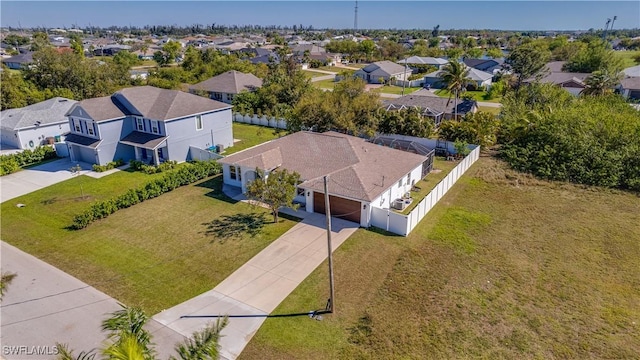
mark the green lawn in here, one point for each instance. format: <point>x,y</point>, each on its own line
<point>155,254</point>
<point>324,84</point>
<point>477,95</point>
<point>504,267</point>
<point>251,135</point>
<point>313,74</point>
<point>489,109</point>
<point>628,57</point>
<point>392,89</point>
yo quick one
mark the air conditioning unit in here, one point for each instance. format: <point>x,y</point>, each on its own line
<point>220,148</point>
<point>399,204</point>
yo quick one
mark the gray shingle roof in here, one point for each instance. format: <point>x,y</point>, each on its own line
<point>560,78</point>
<point>26,58</point>
<point>633,71</point>
<point>424,99</point>
<point>230,82</point>
<point>52,111</point>
<point>423,60</point>
<point>357,169</point>
<point>383,68</point>
<point>632,83</point>
<point>102,108</point>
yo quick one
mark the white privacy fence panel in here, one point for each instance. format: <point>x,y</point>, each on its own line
<point>403,224</point>
<point>263,120</point>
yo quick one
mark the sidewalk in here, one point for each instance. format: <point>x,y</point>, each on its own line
<point>260,285</point>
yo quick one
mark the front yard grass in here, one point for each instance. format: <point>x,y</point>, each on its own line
<point>155,254</point>
<point>492,110</point>
<point>397,90</point>
<point>505,266</point>
<point>324,84</point>
<point>251,135</point>
<point>313,74</point>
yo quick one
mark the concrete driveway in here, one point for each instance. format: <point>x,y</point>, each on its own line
<point>44,305</point>
<point>36,178</point>
<point>261,284</point>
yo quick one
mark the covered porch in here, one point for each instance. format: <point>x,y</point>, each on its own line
<point>149,148</point>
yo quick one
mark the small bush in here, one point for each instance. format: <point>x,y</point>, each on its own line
<point>150,169</point>
<point>13,162</point>
<point>185,175</point>
<point>108,166</point>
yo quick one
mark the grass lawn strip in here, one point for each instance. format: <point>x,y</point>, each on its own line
<point>505,266</point>
<point>477,95</point>
<point>251,135</point>
<point>155,254</point>
<point>442,168</point>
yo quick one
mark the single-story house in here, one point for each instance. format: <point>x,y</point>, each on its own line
<point>424,60</point>
<point>226,86</point>
<point>572,82</point>
<point>630,88</point>
<point>19,61</point>
<point>360,174</point>
<point>30,126</point>
<point>147,124</point>
<point>487,65</point>
<point>436,107</point>
<point>480,79</point>
<point>382,70</point>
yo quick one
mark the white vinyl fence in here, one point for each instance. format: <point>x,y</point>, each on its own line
<point>263,120</point>
<point>403,224</point>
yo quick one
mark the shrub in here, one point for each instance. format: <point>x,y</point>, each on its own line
<point>13,162</point>
<point>150,169</point>
<point>108,166</point>
<point>185,175</point>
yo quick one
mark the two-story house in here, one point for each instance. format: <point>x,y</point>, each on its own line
<point>148,124</point>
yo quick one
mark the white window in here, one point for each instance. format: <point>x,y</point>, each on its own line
<point>139,124</point>
<point>409,179</point>
<point>76,125</point>
<point>400,183</point>
<point>217,96</point>
<point>154,127</point>
<point>198,122</point>
<point>300,192</point>
<point>90,128</point>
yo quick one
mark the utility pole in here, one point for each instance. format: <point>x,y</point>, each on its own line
<point>355,20</point>
<point>604,33</point>
<point>327,211</point>
<point>404,81</point>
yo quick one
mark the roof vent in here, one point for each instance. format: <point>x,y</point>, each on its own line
<point>62,100</point>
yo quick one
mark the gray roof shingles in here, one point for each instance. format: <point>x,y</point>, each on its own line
<point>52,111</point>
<point>230,82</point>
<point>357,169</point>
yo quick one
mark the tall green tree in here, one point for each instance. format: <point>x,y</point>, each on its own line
<point>528,60</point>
<point>595,56</point>
<point>275,189</point>
<point>367,47</point>
<point>455,75</point>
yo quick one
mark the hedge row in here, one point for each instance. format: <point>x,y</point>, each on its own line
<point>13,162</point>
<point>185,175</point>
<point>108,166</point>
<point>150,169</point>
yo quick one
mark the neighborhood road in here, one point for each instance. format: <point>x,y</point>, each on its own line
<point>44,305</point>
<point>261,284</point>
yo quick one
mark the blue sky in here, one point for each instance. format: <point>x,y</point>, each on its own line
<point>510,15</point>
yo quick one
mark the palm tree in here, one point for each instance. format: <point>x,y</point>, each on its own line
<point>203,344</point>
<point>455,76</point>
<point>128,348</point>
<point>65,354</point>
<point>5,279</point>
<point>129,323</point>
<point>601,82</point>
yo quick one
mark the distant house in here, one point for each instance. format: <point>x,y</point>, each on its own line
<point>382,70</point>
<point>30,126</point>
<point>226,86</point>
<point>480,79</point>
<point>362,174</point>
<point>490,66</point>
<point>572,82</point>
<point>19,61</point>
<point>433,106</point>
<point>630,88</point>
<point>148,124</point>
<point>424,60</point>
<point>110,50</point>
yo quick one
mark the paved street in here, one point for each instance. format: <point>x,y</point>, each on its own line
<point>261,284</point>
<point>43,305</point>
